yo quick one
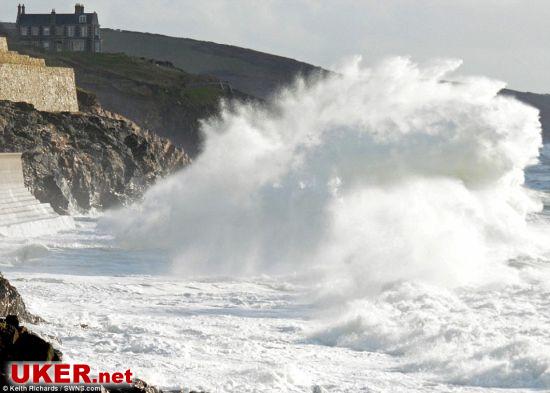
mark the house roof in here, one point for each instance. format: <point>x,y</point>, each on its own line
<point>60,19</point>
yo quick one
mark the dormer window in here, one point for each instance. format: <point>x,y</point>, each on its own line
<point>82,19</point>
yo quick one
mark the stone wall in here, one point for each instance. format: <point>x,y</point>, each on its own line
<point>26,79</point>
<point>48,89</point>
<point>10,57</point>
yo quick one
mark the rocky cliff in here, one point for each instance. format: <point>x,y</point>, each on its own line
<point>12,303</point>
<point>84,161</point>
<point>539,101</point>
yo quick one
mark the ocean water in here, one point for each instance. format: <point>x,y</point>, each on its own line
<point>378,231</point>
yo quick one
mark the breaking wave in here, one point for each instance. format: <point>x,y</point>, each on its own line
<point>389,173</point>
<point>398,195</point>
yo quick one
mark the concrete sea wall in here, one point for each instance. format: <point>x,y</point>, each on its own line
<point>21,214</point>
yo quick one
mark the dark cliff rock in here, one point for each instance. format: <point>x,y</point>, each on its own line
<point>11,302</point>
<point>539,101</point>
<point>84,161</point>
<point>18,344</point>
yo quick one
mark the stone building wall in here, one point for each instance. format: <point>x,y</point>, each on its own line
<point>25,79</point>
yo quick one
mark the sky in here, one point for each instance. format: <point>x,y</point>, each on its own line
<point>504,39</point>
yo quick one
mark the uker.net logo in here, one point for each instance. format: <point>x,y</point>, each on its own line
<point>25,373</point>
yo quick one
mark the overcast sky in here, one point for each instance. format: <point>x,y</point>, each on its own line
<point>505,39</point>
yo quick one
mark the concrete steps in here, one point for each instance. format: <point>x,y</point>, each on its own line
<point>21,214</point>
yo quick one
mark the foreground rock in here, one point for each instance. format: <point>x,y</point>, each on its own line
<point>17,344</point>
<point>12,303</point>
<point>139,386</point>
<point>84,161</point>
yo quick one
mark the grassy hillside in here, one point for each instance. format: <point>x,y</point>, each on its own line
<point>255,73</point>
<point>156,95</point>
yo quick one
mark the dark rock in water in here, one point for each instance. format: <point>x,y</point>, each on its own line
<point>138,386</point>
<point>85,161</point>
<point>11,302</point>
<point>17,344</point>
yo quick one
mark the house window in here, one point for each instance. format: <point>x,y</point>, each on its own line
<point>45,30</point>
<point>59,30</point>
<point>82,19</point>
<point>97,31</point>
<point>70,31</point>
<point>46,45</point>
<point>78,45</point>
<point>35,30</point>
<point>24,31</point>
<point>84,31</point>
<point>97,46</point>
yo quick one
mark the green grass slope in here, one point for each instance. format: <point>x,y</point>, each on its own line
<point>256,73</point>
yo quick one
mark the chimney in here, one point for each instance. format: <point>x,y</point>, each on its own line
<point>23,9</point>
<point>52,17</point>
<point>79,8</point>
<point>18,10</point>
